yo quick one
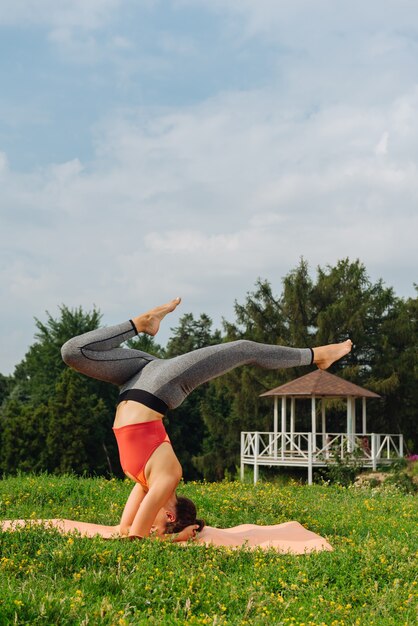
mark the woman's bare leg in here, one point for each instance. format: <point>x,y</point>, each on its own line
<point>149,322</point>
<point>324,356</point>
<point>98,354</point>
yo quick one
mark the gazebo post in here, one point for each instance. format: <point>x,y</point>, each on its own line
<point>292,422</point>
<point>348,424</point>
<point>324,427</point>
<point>313,416</point>
<point>310,457</point>
<point>283,442</point>
<point>353,413</point>
<point>256,452</point>
<point>374,451</point>
<point>242,452</point>
<point>276,424</point>
<point>364,416</point>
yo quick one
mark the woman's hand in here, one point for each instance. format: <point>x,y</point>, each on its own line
<point>187,533</point>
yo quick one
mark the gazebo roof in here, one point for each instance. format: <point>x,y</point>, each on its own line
<point>321,384</point>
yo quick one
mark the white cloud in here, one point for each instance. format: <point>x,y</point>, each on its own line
<point>183,46</point>
<point>76,28</point>
<point>122,42</point>
<point>382,145</point>
<point>207,199</point>
<point>87,15</point>
<point>80,47</point>
<point>4,164</point>
<point>272,16</point>
<point>200,200</point>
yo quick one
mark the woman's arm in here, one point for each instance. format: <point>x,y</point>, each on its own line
<point>131,508</point>
<point>158,495</point>
<point>184,535</point>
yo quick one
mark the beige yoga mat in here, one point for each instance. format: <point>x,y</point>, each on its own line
<point>290,537</point>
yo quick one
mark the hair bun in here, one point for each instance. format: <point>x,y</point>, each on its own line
<point>201,523</point>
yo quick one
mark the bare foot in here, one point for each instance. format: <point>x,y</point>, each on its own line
<point>149,322</point>
<point>324,356</point>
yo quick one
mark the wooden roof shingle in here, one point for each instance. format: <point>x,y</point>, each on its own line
<point>320,383</point>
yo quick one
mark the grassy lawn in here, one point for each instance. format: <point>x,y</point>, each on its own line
<point>370,578</point>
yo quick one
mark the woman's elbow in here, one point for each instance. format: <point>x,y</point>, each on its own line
<point>122,531</point>
<point>175,479</point>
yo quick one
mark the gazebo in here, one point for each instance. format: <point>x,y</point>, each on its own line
<point>320,446</point>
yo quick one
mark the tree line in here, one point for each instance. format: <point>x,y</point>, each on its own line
<point>55,420</point>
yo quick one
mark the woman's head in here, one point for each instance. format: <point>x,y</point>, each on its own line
<point>184,515</point>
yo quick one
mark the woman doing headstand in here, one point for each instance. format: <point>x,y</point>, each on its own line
<point>148,388</point>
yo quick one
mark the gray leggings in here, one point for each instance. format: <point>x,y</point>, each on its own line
<point>98,354</point>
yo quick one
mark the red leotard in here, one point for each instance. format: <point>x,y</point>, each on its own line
<point>136,443</point>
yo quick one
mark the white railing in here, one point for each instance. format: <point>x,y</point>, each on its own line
<point>308,449</point>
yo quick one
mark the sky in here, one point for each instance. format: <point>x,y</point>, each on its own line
<point>156,148</point>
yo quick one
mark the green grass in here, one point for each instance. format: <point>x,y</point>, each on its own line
<point>370,578</point>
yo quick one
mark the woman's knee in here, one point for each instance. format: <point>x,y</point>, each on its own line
<point>70,353</point>
<point>243,344</point>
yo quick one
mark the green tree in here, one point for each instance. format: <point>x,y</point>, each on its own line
<point>42,364</point>
<point>342,302</point>
<point>146,343</point>
<point>232,403</point>
<point>37,415</point>
<point>54,419</point>
<point>296,306</point>
<point>78,428</point>
<point>6,384</point>
<point>23,437</point>
<point>347,304</point>
<point>260,318</point>
<point>394,372</point>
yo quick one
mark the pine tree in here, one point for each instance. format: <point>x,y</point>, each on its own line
<point>79,426</point>
<point>232,402</point>
<point>36,415</point>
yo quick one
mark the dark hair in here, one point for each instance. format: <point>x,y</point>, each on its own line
<point>185,516</point>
